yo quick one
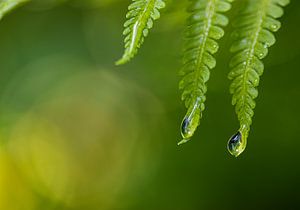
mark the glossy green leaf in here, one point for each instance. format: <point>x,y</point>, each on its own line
<point>253,35</point>
<point>204,28</point>
<point>140,17</point>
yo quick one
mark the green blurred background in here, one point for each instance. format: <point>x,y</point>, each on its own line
<point>78,133</point>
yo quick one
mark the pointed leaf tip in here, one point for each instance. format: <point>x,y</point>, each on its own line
<point>183,141</point>
<point>121,61</point>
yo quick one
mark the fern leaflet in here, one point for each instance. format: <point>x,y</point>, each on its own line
<point>203,29</point>
<point>253,36</point>
<point>140,20</point>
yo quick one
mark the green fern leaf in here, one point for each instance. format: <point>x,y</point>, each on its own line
<point>204,27</point>
<point>140,17</point>
<point>8,5</point>
<point>253,36</point>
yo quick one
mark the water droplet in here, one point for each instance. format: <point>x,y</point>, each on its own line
<point>185,127</point>
<point>256,82</point>
<point>261,55</point>
<point>274,27</point>
<point>236,144</point>
<point>215,47</point>
<point>190,122</point>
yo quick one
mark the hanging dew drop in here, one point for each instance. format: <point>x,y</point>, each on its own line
<point>236,144</point>
<point>190,122</point>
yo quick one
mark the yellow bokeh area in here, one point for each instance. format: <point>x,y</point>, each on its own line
<point>14,191</point>
<point>80,143</point>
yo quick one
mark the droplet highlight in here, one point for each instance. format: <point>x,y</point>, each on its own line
<point>274,27</point>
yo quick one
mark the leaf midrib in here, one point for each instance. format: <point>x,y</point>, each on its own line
<point>139,25</point>
<point>209,11</point>
<point>261,16</point>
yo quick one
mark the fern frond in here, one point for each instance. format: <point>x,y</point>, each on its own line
<point>140,17</point>
<point>8,5</point>
<point>253,36</point>
<point>204,27</point>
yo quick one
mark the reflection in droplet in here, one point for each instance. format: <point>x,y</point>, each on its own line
<point>236,144</point>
